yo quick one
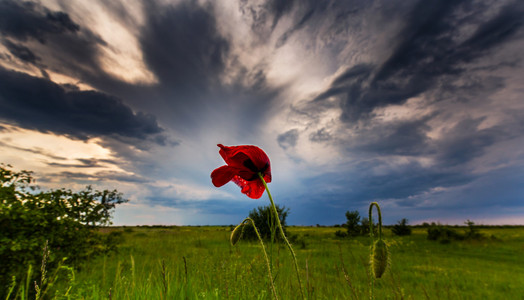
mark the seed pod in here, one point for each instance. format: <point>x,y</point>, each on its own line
<point>237,233</point>
<point>379,258</point>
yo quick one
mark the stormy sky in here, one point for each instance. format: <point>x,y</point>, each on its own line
<point>418,105</point>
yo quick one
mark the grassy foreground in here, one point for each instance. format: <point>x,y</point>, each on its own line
<point>199,263</point>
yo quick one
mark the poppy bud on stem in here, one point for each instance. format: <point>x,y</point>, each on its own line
<point>379,249</point>
<point>235,237</point>
<point>237,233</point>
<point>282,232</point>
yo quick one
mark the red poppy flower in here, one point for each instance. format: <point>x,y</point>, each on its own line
<point>243,165</point>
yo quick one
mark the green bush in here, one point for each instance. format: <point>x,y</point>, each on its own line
<point>353,223</point>
<point>65,220</point>
<point>472,232</point>
<point>262,218</point>
<point>340,234</point>
<point>444,234</point>
<point>401,228</point>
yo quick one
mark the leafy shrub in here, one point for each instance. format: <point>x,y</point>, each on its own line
<point>298,239</point>
<point>444,234</point>
<point>401,228</point>
<point>472,232</point>
<point>63,219</point>
<point>340,234</point>
<point>364,227</point>
<point>353,223</point>
<point>262,217</point>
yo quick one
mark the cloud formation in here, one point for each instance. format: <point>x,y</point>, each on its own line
<point>417,105</point>
<point>431,49</point>
<point>39,104</point>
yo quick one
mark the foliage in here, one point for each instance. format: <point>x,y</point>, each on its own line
<point>446,234</point>
<point>364,227</point>
<point>401,228</point>
<point>472,232</point>
<point>353,223</point>
<point>63,219</point>
<point>341,234</point>
<point>443,234</point>
<point>262,218</point>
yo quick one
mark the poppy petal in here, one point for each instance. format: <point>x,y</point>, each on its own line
<point>237,155</point>
<point>223,175</point>
<point>253,189</point>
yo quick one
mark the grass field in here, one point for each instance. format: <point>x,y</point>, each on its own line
<point>200,263</point>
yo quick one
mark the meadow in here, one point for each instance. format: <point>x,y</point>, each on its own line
<point>199,263</point>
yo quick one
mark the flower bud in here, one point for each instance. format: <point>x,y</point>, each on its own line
<point>379,258</point>
<point>237,233</point>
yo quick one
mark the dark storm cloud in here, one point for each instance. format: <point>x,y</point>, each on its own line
<point>308,14</point>
<point>288,139</point>
<point>277,8</point>
<point>34,150</point>
<point>264,17</point>
<point>24,20</point>
<point>365,182</point>
<point>443,52</point>
<point>427,51</point>
<point>101,176</point>
<point>321,135</point>
<point>182,46</point>
<point>84,163</point>
<point>63,46</point>
<point>40,104</point>
<point>408,137</point>
<point>21,52</point>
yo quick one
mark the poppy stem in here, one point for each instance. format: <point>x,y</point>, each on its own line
<point>282,232</point>
<point>371,220</point>
<point>265,255</point>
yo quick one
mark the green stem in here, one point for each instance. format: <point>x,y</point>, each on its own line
<point>265,255</point>
<point>282,233</point>
<point>371,220</point>
<point>371,291</point>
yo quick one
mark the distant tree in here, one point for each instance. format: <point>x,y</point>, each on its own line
<point>443,234</point>
<point>341,234</point>
<point>63,219</point>
<point>364,227</point>
<point>262,216</point>
<point>353,223</point>
<point>401,228</point>
<point>472,232</point>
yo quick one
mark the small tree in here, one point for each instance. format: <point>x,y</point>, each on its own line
<point>62,219</point>
<point>262,218</point>
<point>472,232</point>
<point>401,228</point>
<point>353,223</point>
<point>364,227</point>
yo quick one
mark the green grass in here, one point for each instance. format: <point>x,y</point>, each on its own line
<point>199,263</point>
